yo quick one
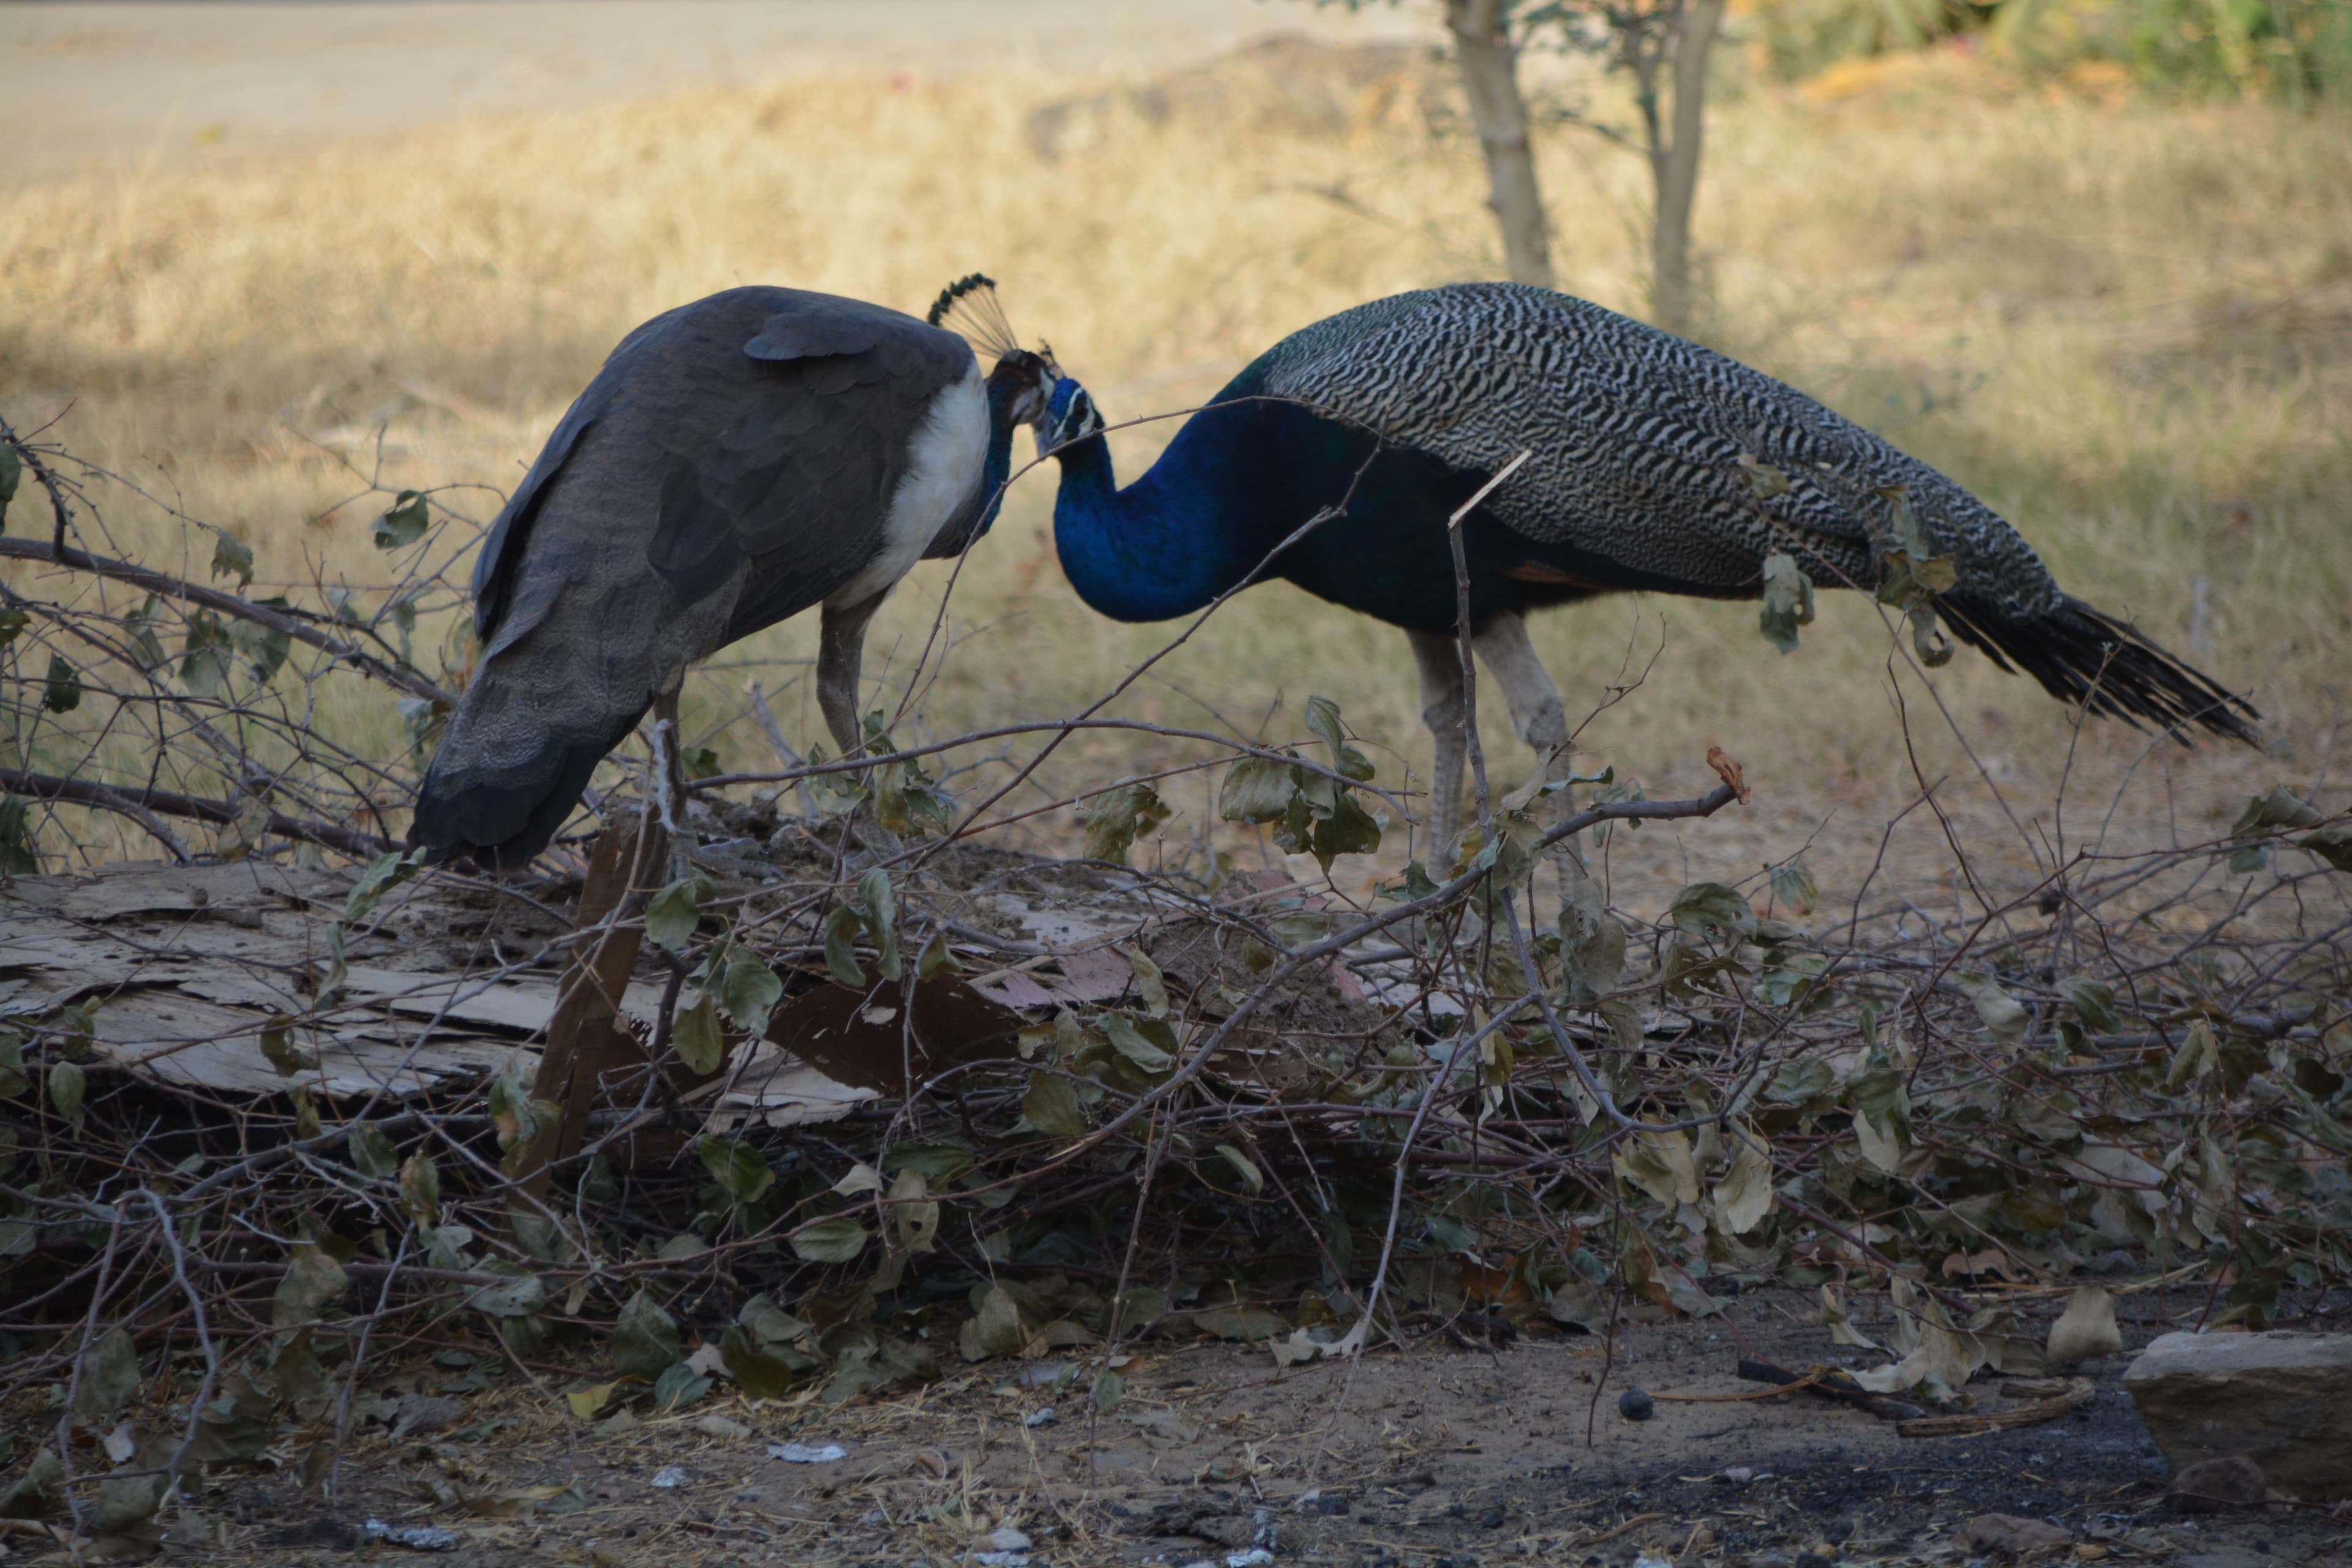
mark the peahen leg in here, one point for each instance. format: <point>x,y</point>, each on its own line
<point>841,645</point>
<point>1439,659</point>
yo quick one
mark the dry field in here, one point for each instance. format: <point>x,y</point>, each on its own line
<point>2129,327</point>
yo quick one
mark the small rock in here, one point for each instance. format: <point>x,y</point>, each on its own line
<point>1005,1538</point>
<point>1255,1557</point>
<point>1491,1520</point>
<point>1635,1405</point>
<point>2210,1486</point>
<point>670,1477</point>
<point>1045,1417</point>
<point>1838,1534</point>
<point>807,1452</point>
<point>2014,1537</point>
<point>2283,1400</point>
<point>416,1537</point>
<point>1001,1559</point>
<point>1225,1530</point>
<point>722,1426</point>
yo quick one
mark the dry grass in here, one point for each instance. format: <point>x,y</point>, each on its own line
<point>2129,329</point>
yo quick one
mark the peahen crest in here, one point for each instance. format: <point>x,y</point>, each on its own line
<point>969,306</point>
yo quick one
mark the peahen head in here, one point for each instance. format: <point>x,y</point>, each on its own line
<point>1070,416</point>
<point>1020,386</point>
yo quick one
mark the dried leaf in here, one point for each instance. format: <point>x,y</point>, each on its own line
<point>994,1330</point>
<point>1660,1165</point>
<point>2004,1015</point>
<point>1728,771</point>
<point>311,1279</point>
<point>1117,818</point>
<point>586,1403</point>
<point>1256,789</point>
<point>1744,1196</point>
<point>645,1340</point>
<point>2086,1328</point>
<point>1788,602</point>
<point>109,1378</point>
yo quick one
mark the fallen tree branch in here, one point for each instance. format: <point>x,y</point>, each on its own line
<point>296,626</point>
<point>136,803</point>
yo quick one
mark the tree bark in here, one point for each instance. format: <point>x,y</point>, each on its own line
<point>1491,81</point>
<point>1674,166</point>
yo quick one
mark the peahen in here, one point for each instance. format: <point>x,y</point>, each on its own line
<point>736,461</point>
<point>1653,464</point>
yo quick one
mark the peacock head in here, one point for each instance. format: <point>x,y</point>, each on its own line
<point>1070,416</point>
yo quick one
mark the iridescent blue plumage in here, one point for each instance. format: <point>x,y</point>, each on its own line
<point>1652,464</point>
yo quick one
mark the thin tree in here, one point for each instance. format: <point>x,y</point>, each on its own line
<point>1664,45</point>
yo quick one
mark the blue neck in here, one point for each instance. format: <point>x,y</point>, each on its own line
<point>1163,547</point>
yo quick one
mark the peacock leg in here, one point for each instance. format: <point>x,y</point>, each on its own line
<point>1541,721</point>
<point>1536,711</point>
<point>1439,662</point>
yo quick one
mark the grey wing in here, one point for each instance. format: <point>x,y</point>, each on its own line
<point>1647,449</point>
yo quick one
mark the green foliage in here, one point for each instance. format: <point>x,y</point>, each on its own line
<point>1310,811</point>
<point>385,872</point>
<point>12,474</point>
<point>61,693</point>
<point>403,524</point>
<point>672,914</point>
<point>2294,51</point>
<point>20,852</point>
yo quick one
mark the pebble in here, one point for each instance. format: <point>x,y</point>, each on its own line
<point>670,1477</point>
<point>1635,1405</point>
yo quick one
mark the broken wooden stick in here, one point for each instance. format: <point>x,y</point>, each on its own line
<point>1829,1383</point>
<point>2076,1391</point>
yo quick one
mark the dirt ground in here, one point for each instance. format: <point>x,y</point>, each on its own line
<point>1442,1455</point>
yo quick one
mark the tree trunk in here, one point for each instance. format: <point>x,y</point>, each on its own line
<point>1490,79</point>
<point>1675,167</point>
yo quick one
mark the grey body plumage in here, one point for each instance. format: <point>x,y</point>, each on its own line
<point>736,461</point>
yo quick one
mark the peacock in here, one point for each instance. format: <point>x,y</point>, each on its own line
<point>736,461</point>
<point>1651,463</point>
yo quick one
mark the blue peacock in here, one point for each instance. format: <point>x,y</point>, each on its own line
<point>1652,464</point>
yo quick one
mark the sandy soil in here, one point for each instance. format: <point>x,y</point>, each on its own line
<point>87,83</point>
